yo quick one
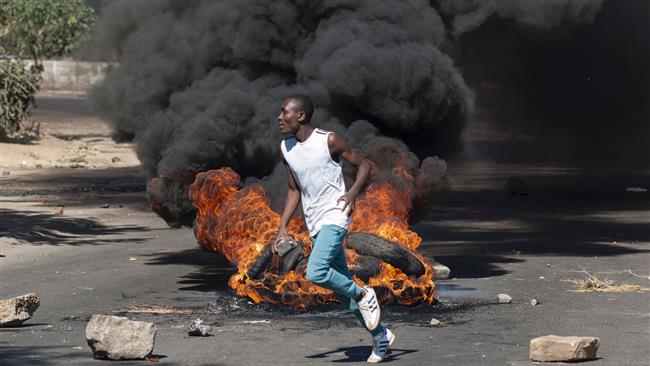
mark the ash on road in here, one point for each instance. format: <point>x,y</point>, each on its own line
<point>108,253</point>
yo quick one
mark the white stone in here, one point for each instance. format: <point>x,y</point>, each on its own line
<point>440,271</point>
<point>118,338</point>
<point>18,309</point>
<point>434,322</point>
<point>553,348</point>
<point>199,329</point>
<point>504,298</point>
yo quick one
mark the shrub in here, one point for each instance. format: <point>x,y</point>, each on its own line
<point>18,85</point>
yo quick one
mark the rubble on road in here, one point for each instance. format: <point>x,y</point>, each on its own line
<point>434,322</point>
<point>504,298</point>
<point>118,338</point>
<point>18,309</point>
<point>199,329</point>
<point>553,348</point>
<point>440,271</point>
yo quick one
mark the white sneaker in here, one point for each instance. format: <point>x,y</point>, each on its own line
<point>369,307</point>
<point>380,349</point>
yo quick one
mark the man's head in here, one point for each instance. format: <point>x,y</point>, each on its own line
<point>296,111</point>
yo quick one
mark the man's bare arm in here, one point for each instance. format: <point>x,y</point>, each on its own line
<point>338,147</point>
<point>290,204</point>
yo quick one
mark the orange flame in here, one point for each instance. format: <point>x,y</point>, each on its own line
<point>240,223</point>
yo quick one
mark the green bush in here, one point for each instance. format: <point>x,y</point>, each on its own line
<point>18,85</point>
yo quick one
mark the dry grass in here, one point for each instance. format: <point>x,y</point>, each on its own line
<point>157,309</point>
<point>636,275</point>
<point>594,284</point>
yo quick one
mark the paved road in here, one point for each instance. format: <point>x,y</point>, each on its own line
<point>79,264</point>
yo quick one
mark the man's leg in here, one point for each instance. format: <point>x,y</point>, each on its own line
<point>328,268</point>
<point>340,265</point>
<point>326,251</point>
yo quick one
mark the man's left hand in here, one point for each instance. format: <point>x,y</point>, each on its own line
<point>346,202</point>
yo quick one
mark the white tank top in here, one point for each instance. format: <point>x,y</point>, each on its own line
<point>319,178</point>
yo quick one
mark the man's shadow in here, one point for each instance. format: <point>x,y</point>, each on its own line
<point>361,353</point>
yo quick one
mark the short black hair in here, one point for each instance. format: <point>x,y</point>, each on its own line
<point>303,103</point>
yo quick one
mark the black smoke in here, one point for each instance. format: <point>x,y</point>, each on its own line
<point>577,95</point>
<point>199,83</point>
<point>468,15</point>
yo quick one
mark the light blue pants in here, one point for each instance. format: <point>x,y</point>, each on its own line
<point>328,268</point>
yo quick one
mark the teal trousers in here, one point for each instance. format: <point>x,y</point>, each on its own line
<point>328,268</point>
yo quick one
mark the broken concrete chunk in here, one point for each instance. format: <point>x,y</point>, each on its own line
<point>118,338</point>
<point>434,322</point>
<point>553,348</point>
<point>198,329</point>
<point>17,310</point>
<point>504,298</point>
<point>440,271</point>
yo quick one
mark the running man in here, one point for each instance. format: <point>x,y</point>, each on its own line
<point>312,158</point>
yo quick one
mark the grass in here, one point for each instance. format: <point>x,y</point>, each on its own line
<point>594,284</point>
<point>157,309</point>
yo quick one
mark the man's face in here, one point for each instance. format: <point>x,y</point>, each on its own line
<point>290,117</point>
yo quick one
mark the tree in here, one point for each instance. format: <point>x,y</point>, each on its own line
<point>43,28</point>
<point>38,29</point>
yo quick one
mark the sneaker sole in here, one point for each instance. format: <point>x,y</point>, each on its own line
<point>391,339</point>
<point>378,320</point>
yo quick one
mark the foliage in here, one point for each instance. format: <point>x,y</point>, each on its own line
<point>38,29</point>
<point>43,28</point>
<point>17,88</point>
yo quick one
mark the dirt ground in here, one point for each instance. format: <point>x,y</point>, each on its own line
<point>71,137</point>
<point>108,253</point>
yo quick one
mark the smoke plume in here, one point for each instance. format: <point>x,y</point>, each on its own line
<point>199,83</point>
<point>577,95</point>
<point>468,15</point>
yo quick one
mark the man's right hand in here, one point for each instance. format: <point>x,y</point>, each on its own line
<point>282,234</point>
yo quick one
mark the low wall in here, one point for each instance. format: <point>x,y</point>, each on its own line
<point>69,75</point>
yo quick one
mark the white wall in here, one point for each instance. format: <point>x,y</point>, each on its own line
<point>69,75</point>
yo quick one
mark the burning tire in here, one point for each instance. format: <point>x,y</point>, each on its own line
<point>387,251</point>
<point>366,268</point>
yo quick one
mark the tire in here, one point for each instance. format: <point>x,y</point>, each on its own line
<point>366,268</point>
<point>387,251</point>
<point>292,258</point>
<point>261,264</point>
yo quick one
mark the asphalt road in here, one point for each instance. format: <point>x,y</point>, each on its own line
<point>121,258</point>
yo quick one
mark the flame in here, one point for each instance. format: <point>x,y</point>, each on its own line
<point>239,224</point>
